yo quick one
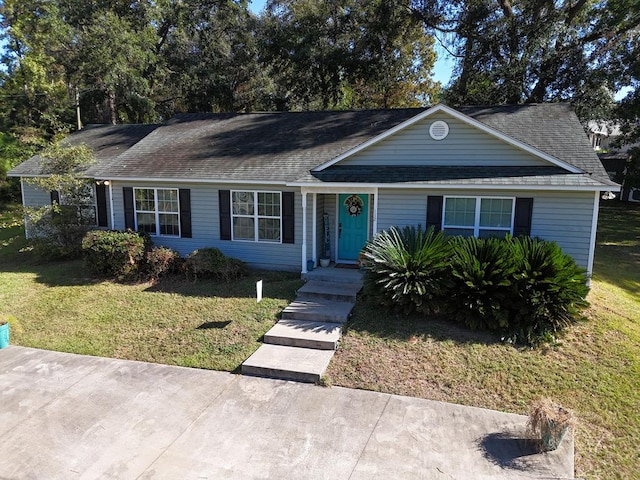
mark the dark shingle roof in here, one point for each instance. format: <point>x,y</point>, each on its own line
<point>285,146</point>
<point>106,141</point>
<point>275,147</point>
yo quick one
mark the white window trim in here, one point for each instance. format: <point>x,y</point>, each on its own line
<point>476,224</point>
<point>255,216</point>
<point>157,212</point>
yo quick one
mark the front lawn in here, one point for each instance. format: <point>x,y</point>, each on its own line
<point>58,306</point>
<point>594,369</point>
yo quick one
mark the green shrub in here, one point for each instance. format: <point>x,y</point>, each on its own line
<point>481,271</point>
<point>161,261</point>
<point>115,254</point>
<point>211,263</point>
<point>549,290</point>
<point>408,269</point>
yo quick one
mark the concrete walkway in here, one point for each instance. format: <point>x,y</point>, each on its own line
<point>65,416</point>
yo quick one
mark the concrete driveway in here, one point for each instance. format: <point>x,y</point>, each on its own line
<point>65,416</point>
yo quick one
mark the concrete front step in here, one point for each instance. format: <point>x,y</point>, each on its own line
<point>341,292</point>
<point>334,275</point>
<point>318,310</point>
<point>288,363</point>
<point>304,334</point>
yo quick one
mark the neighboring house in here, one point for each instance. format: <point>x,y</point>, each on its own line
<point>257,186</point>
<point>603,134</point>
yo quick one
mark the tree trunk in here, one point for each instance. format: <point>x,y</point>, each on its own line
<point>111,102</point>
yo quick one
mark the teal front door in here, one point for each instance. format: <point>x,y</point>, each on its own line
<point>353,225</point>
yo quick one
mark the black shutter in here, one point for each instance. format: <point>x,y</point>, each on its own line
<point>522,220</point>
<point>185,212</point>
<point>129,214</point>
<point>224,199</point>
<point>434,212</point>
<point>101,204</point>
<point>288,217</point>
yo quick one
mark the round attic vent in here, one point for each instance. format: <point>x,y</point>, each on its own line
<point>439,130</point>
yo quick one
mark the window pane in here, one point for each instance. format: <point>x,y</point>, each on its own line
<point>167,200</point>
<point>460,211</point>
<point>463,232</point>
<point>495,212</point>
<point>144,199</point>
<point>169,224</point>
<point>269,204</point>
<point>242,203</point>
<point>269,229</point>
<point>243,228</point>
<point>147,222</point>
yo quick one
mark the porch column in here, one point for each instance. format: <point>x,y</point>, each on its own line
<point>113,214</point>
<point>314,230</point>
<point>304,232</point>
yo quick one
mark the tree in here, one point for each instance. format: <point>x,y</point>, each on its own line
<point>532,50</point>
<point>33,90</point>
<point>394,59</point>
<point>307,45</point>
<point>346,54</point>
<point>60,227</point>
<point>213,57</point>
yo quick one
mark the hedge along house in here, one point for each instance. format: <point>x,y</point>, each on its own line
<point>261,187</point>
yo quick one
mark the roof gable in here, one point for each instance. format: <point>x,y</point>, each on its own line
<point>440,111</point>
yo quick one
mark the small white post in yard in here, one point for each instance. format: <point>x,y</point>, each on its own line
<point>258,291</point>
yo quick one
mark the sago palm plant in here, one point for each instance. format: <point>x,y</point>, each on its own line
<point>408,269</point>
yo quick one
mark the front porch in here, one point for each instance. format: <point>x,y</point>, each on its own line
<point>336,224</point>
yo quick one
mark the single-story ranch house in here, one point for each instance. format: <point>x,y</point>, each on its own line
<point>279,189</point>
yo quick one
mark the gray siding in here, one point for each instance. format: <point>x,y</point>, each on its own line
<point>561,217</point>
<point>465,145</point>
<point>205,224</point>
<point>401,208</point>
<point>33,196</point>
<point>566,219</point>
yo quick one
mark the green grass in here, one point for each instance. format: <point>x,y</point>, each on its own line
<point>594,369</point>
<point>57,306</point>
